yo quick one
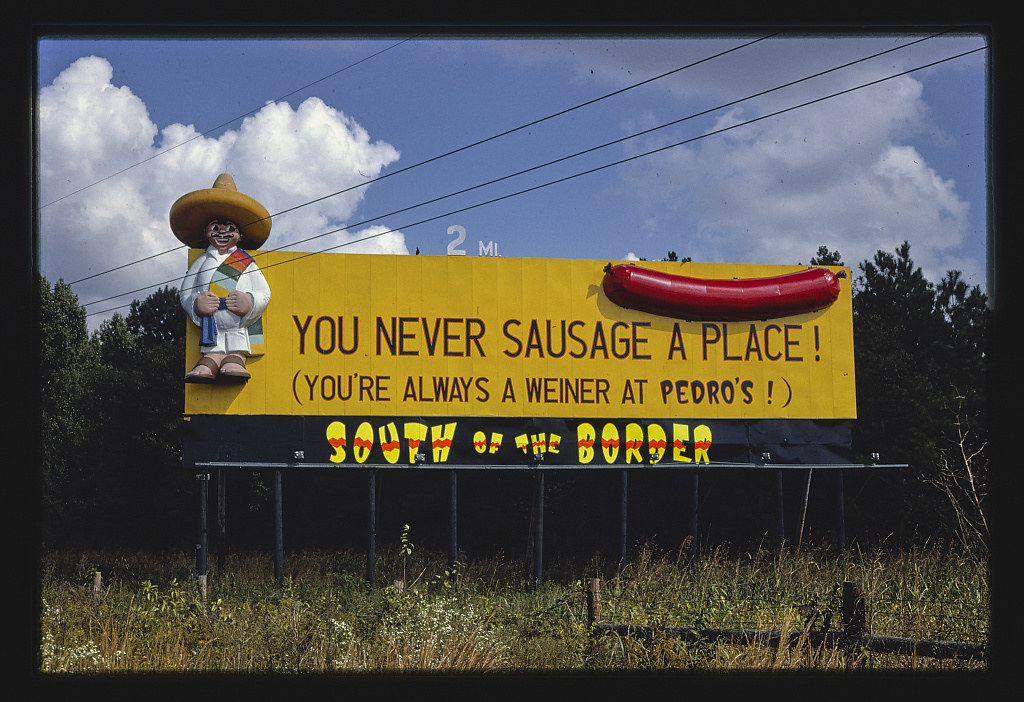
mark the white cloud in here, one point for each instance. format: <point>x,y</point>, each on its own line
<point>840,172</point>
<point>833,174</point>
<point>284,157</point>
<point>374,240</point>
<point>82,115</point>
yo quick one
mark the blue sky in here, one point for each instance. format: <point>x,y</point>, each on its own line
<point>127,125</point>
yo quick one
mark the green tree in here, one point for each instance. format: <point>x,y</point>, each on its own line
<point>824,257</point>
<point>673,257</point>
<point>965,314</point>
<point>111,407</point>
<point>157,325</point>
<point>136,395</point>
<point>961,474</point>
<point>159,321</point>
<point>916,346</point>
<point>67,358</point>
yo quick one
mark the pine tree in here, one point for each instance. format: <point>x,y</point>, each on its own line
<point>917,348</point>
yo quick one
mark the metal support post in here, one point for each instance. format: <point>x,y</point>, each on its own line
<point>202,546</point>
<point>841,546</point>
<point>222,519</point>
<point>780,524</point>
<point>623,492</point>
<point>278,531</point>
<point>694,518</point>
<point>371,547</point>
<point>538,531</point>
<point>453,541</point>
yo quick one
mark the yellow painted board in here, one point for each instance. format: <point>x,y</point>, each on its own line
<point>375,335</point>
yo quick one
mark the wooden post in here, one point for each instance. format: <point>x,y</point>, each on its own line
<point>854,611</point>
<point>97,584</point>
<point>593,601</point>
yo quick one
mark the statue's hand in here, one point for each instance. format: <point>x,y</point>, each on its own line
<point>239,303</point>
<point>206,304</point>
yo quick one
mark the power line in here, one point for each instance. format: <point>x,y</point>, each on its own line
<point>563,179</point>
<point>618,162</point>
<point>524,191</point>
<point>439,156</point>
<point>535,122</point>
<point>524,126</point>
<point>602,146</point>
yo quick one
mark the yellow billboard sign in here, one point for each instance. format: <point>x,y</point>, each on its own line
<point>458,336</point>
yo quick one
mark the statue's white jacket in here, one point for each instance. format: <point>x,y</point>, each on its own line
<point>222,274</point>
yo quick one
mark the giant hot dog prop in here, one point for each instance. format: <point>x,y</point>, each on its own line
<point>729,300</point>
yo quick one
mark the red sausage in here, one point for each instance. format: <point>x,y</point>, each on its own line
<point>730,300</point>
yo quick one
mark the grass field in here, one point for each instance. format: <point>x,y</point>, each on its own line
<point>148,615</point>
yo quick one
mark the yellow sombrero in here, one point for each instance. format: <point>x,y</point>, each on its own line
<point>191,213</point>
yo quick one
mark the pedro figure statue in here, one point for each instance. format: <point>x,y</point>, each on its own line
<point>224,291</point>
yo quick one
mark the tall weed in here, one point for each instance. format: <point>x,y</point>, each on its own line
<point>485,615</point>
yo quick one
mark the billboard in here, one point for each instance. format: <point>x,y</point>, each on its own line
<point>365,359</point>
